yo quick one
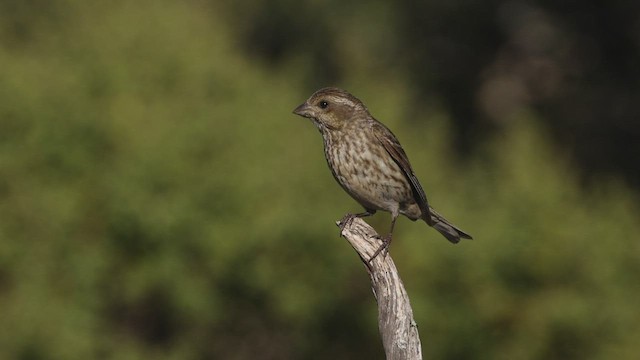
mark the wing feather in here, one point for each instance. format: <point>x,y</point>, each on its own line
<point>394,149</point>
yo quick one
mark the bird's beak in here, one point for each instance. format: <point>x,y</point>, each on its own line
<point>303,110</point>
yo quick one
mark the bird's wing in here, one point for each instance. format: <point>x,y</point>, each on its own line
<point>393,148</point>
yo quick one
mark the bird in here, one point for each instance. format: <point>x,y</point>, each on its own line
<point>369,163</point>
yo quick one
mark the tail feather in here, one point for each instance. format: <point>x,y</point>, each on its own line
<point>447,229</point>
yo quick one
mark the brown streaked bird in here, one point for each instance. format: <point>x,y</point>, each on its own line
<point>368,162</point>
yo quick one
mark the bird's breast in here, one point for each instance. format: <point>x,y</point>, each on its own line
<point>366,171</point>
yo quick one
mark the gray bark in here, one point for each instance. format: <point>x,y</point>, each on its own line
<point>398,329</point>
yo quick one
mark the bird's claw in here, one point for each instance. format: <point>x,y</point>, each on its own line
<point>384,248</point>
<point>346,221</point>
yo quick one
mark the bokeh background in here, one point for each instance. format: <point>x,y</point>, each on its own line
<point>158,200</point>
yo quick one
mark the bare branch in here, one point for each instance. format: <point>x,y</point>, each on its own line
<point>397,327</point>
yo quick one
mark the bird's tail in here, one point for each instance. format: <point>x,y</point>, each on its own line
<point>450,231</point>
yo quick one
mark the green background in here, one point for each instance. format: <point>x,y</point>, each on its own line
<point>158,200</point>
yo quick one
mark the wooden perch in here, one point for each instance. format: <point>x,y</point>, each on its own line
<point>398,329</point>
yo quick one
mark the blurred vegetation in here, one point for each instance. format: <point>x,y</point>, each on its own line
<point>575,63</point>
<point>159,200</point>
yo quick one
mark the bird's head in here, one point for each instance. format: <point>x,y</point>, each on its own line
<point>332,108</point>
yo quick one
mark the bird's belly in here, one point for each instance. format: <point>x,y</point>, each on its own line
<point>374,196</point>
<point>375,181</point>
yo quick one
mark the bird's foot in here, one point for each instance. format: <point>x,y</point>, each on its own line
<point>346,221</point>
<point>384,248</point>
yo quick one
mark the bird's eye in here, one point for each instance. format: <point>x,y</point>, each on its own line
<point>323,104</point>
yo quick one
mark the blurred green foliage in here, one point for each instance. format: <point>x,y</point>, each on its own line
<point>159,200</point>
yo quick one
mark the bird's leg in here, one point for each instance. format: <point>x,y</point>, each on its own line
<point>386,241</point>
<point>348,218</point>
